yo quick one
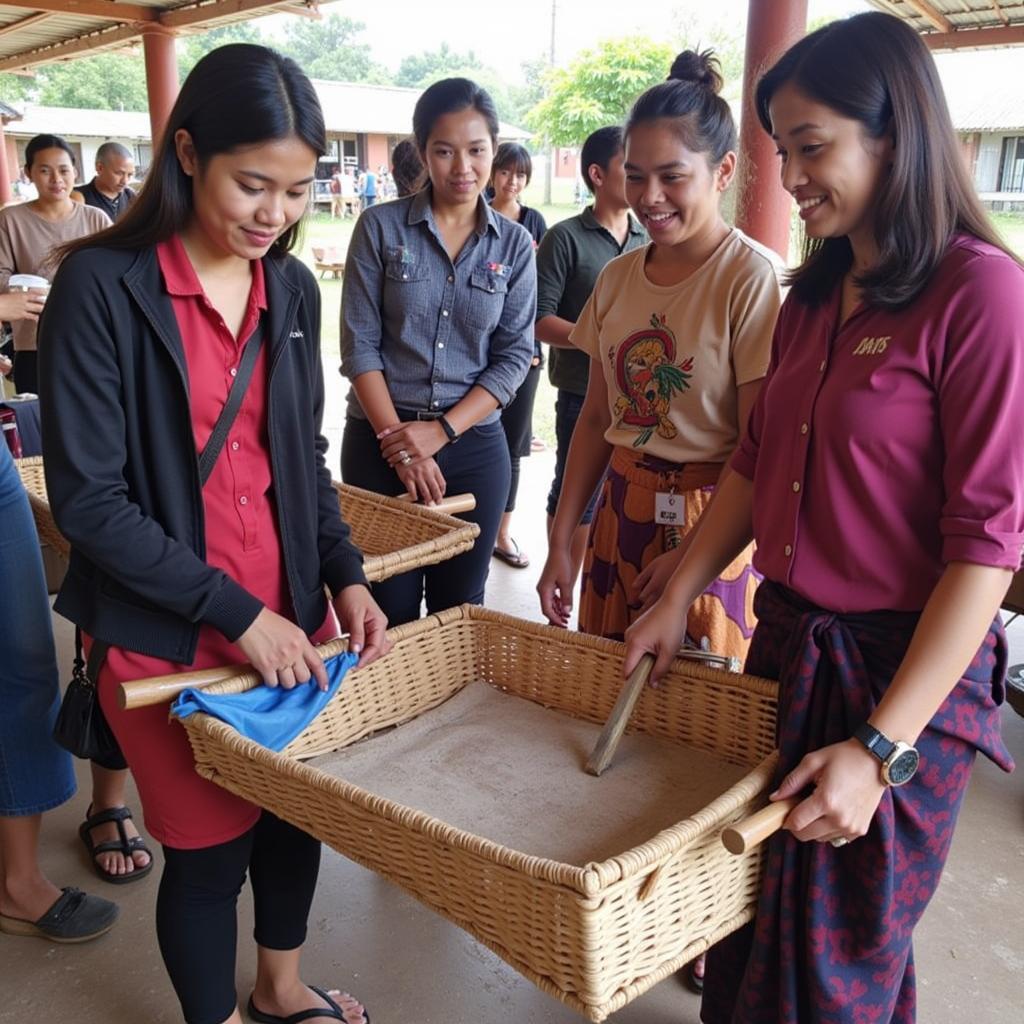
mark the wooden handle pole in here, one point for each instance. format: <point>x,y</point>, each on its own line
<point>608,741</point>
<point>746,834</point>
<point>451,504</point>
<point>235,679</point>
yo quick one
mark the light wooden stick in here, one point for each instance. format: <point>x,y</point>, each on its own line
<point>141,693</point>
<point>451,504</point>
<point>746,834</point>
<point>608,741</point>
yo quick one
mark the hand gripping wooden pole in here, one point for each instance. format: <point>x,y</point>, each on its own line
<point>450,504</point>
<point>746,834</point>
<point>608,741</point>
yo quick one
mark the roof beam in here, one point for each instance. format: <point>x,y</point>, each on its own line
<point>931,15</point>
<point>83,44</point>
<point>976,38</point>
<point>106,9</point>
<point>184,17</point>
<point>1002,16</point>
<point>32,19</point>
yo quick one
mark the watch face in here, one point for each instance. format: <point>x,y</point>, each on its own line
<point>901,768</point>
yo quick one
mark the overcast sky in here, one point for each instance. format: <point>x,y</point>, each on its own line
<point>505,34</point>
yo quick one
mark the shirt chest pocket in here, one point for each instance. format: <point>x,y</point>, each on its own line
<point>406,282</point>
<point>487,293</point>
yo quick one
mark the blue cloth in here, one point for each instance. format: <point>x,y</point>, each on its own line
<point>35,774</point>
<point>270,715</point>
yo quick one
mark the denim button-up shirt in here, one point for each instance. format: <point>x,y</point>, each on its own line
<point>433,327</point>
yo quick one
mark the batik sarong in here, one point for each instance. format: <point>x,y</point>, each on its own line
<point>624,539</point>
<point>831,943</point>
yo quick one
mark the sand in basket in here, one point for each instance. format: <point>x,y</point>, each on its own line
<point>509,770</point>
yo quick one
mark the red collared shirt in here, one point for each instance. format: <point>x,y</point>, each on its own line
<point>890,447</point>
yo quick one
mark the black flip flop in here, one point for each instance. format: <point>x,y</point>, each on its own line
<point>332,1012</point>
<point>123,844</point>
<point>516,558</point>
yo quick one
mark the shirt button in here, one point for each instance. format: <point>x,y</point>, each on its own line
<point>789,550</point>
<point>243,500</point>
<point>405,277</point>
<point>821,368</point>
<point>803,428</point>
<point>444,312</point>
<point>235,446</point>
<point>451,279</point>
<point>433,403</point>
<point>440,344</point>
<point>796,485</point>
<point>233,371</point>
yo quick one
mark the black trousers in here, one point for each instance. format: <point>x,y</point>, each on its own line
<point>478,463</point>
<point>26,372</point>
<point>196,909</point>
<point>517,422</point>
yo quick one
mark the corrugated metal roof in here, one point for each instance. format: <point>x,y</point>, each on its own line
<point>950,18</point>
<point>984,89</point>
<point>89,124</point>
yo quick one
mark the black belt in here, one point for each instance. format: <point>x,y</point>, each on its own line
<point>405,415</point>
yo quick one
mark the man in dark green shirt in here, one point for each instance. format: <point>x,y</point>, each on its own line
<point>570,256</point>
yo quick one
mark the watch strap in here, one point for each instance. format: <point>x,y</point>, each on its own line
<point>449,430</point>
<point>876,743</point>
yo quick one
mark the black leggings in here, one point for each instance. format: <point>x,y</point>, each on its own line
<point>196,917</point>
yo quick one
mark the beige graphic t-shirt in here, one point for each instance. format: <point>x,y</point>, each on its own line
<point>673,356</point>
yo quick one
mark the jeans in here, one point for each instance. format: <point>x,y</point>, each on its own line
<point>477,463</point>
<point>35,774</point>
<point>567,412</point>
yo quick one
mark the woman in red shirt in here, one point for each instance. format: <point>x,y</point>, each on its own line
<point>174,564</point>
<point>882,478</point>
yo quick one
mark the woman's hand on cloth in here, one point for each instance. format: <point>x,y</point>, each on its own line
<point>423,480</point>
<point>281,652</point>
<point>650,584</point>
<point>360,616</point>
<point>405,443</point>
<point>555,587</point>
<point>847,789</point>
<point>659,631</point>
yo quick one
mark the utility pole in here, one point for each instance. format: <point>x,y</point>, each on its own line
<point>548,164</point>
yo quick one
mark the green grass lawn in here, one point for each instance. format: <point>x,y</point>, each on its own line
<point>1011,227</point>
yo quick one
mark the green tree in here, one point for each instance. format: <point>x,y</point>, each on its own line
<point>198,46</point>
<point>598,88</point>
<point>15,89</point>
<point>108,81</point>
<point>420,69</point>
<point>331,48</point>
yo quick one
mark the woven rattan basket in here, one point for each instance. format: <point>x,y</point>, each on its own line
<point>393,535</point>
<point>594,935</point>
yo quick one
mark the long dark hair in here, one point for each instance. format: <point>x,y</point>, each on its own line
<point>691,99</point>
<point>449,96</point>
<point>237,95</point>
<point>874,69</point>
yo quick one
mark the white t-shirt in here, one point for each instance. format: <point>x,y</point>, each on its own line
<point>673,356</point>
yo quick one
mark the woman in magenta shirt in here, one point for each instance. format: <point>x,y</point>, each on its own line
<point>882,477</point>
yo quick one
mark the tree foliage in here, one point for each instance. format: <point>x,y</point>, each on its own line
<point>331,48</point>
<point>420,69</point>
<point>598,88</point>
<point>198,46</point>
<point>108,81</point>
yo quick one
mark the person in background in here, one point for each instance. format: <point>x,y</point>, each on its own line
<point>569,258</point>
<point>407,168</point>
<point>882,478</point>
<point>510,175</point>
<point>29,232</point>
<point>35,774</point>
<point>172,565</point>
<point>368,188</point>
<point>108,191</point>
<point>436,337</point>
<point>349,192</point>
<point>335,189</point>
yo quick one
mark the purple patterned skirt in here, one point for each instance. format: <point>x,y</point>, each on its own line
<point>832,940</point>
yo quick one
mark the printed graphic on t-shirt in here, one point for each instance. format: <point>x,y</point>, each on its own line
<point>647,377</point>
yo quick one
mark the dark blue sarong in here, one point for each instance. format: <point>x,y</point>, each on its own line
<point>832,940</point>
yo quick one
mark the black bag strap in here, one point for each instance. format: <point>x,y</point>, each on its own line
<point>97,655</point>
<point>227,415</point>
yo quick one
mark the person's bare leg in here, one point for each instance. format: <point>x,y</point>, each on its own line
<point>108,791</point>
<point>504,538</point>
<point>280,991</point>
<point>25,892</point>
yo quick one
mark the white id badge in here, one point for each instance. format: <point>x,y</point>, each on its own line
<point>668,509</point>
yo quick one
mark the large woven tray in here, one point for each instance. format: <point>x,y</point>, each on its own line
<point>393,535</point>
<point>594,935</point>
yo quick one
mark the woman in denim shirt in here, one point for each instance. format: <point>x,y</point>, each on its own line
<point>436,337</point>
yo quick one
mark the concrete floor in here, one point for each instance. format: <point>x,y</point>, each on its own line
<point>409,965</point>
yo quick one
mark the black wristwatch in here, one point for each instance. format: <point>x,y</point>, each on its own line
<point>899,760</point>
<point>449,430</point>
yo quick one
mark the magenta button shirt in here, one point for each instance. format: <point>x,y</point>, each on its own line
<point>885,450</point>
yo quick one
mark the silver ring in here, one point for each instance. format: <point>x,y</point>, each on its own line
<point>841,841</point>
<point>404,457</point>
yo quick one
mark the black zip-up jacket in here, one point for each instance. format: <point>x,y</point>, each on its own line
<point>122,470</point>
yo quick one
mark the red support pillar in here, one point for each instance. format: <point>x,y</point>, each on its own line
<point>763,208</point>
<point>161,76</point>
<point>6,194</point>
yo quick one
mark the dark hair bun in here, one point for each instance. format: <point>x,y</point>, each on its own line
<point>701,69</point>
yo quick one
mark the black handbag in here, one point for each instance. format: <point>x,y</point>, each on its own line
<point>81,727</point>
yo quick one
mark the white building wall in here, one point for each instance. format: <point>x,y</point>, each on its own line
<point>986,167</point>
